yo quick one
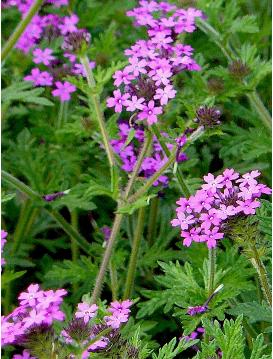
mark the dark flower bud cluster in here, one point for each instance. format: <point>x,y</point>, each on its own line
<point>208,117</point>
<point>238,69</point>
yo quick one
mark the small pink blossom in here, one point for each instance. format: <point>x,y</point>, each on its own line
<point>43,56</point>
<point>165,94</point>
<point>150,113</point>
<point>86,311</point>
<point>63,90</point>
<point>134,104</point>
<point>118,100</point>
<point>69,24</point>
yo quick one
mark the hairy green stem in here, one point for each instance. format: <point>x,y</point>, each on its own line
<point>20,29</point>
<point>114,280</point>
<point>230,54</point>
<point>260,268</point>
<point>152,179</point>
<point>70,231</point>
<point>98,109</point>
<point>106,258</point>
<point>211,270</point>
<point>145,147</point>
<point>152,220</point>
<point>134,254</point>
<point>19,233</point>
<point>178,174</point>
<point>74,244</point>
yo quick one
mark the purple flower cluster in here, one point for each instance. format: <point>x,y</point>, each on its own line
<point>145,85</point>
<point>152,163</point>
<point>53,67</point>
<point>36,307</point>
<point>4,235</point>
<point>204,216</point>
<point>195,334</point>
<point>192,311</point>
<point>25,355</point>
<point>119,314</point>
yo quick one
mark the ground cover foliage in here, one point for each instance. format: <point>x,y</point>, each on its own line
<point>136,212</point>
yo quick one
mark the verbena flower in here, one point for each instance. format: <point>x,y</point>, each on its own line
<point>147,80</point>
<point>86,311</point>
<point>63,90</point>
<point>36,307</point>
<point>204,216</point>
<point>25,355</point>
<point>152,163</point>
<point>45,27</point>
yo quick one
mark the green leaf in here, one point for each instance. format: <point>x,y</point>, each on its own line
<point>254,311</point>
<point>171,350</point>
<point>130,138</point>
<point>246,24</point>
<point>132,207</point>
<point>9,276</point>
<point>20,92</point>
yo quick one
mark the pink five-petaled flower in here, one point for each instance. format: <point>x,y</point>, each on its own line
<point>122,77</point>
<point>31,296</point>
<point>165,94</point>
<point>63,90</point>
<point>162,77</point>
<point>212,183</point>
<point>120,313</point>
<point>248,207</point>
<point>25,355</point>
<point>137,67</point>
<point>249,178</point>
<point>134,104</point>
<point>86,311</point>
<point>69,24</point>
<point>39,78</point>
<point>116,320</point>
<point>150,113</point>
<point>183,221</point>
<point>228,176</point>
<point>209,219</point>
<point>43,56</point>
<point>34,317</point>
<point>118,100</point>
<point>192,235</point>
<point>211,236</point>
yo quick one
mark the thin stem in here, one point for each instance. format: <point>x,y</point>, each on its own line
<point>70,231</point>
<point>231,55</point>
<point>20,29</point>
<point>152,220</point>
<point>99,112</point>
<point>178,174</point>
<point>74,244</point>
<point>152,179</point>
<point>60,117</point>
<point>260,268</point>
<point>106,258</point>
<point>212,269</point>
<point>114,280</point>
<point>258,105</point>
<point>19,232</point>
<point>146,145</point>
<point>134,254</point>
